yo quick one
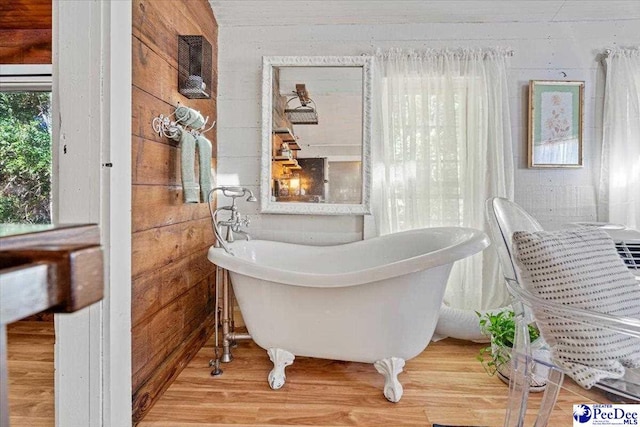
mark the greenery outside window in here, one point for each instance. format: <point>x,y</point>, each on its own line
<point>25,144</point>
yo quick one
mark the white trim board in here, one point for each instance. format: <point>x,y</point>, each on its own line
<point>25,77</point>
<point>92,129</point>
<point>76,99</point>
<point>117,152</point>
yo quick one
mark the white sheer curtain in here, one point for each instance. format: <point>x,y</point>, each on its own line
<point>620,174</point>
<point>443,147</point>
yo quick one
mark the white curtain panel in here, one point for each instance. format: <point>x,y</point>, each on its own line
<point>619,200</point>
<point>442,147</point>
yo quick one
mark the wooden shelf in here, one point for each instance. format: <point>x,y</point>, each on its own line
<point>282,135</point>
<point>285,161</point>
<point>285,134</point>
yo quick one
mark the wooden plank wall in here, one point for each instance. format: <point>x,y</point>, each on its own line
<point>172,280</point>
<point>25,32</point>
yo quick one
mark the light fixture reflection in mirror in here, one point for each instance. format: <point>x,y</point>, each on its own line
<point>294,186</point>
<point>316,131</point>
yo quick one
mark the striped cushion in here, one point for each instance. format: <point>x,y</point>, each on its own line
<point>582,269</point>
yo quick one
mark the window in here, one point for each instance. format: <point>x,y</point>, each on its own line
<point>429,121</point>
<point>25,144</point>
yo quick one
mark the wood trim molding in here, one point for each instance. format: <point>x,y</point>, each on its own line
<point>72,234</point>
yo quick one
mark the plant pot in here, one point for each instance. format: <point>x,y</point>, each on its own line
<point>540,372</point>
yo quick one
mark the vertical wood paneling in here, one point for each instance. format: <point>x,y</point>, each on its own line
<point>172,304</point>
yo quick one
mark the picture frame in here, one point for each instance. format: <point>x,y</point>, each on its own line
<point>556,110</point>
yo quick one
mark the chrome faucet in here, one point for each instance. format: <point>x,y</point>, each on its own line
<point>235,221</point>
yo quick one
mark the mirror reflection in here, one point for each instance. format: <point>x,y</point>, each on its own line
<point>316,131</point>
<point>317,134</point>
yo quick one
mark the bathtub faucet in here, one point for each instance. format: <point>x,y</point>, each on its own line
<point>235,220</point>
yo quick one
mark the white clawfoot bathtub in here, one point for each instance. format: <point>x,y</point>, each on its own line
<point>373,301</point>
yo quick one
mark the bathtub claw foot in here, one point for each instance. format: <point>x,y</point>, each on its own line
<point>281,359</point>
<point>390,368</point>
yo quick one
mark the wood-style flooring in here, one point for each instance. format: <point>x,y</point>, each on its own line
<point>444,385</point>
<point>30,354</point>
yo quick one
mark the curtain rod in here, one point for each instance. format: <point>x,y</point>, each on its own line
<point>620,50</point>
<point>508,52</point>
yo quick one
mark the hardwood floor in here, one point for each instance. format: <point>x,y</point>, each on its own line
<point>444,385</point>
<point>30,354</point>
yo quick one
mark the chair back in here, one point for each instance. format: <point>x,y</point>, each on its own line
<point>505,217</point>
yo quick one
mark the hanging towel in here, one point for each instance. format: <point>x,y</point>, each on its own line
<point>204,154</point>
<point>187,165</point>
<point>189,117</point>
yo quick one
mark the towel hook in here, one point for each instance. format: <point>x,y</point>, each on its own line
<point>210,127</point>
<point>201,131</point>
<point>171,131</point>
<point>160,123</point>
<point>163,126</point>
<point>206,120</point>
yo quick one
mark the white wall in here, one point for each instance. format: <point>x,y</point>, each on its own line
<point>543,51</point>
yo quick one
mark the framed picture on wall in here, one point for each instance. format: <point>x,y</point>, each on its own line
<point>555,123</point>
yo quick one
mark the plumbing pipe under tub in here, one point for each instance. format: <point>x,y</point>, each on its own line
<point>226,342</point>
<point>215,362</point>
<point>229,336</point>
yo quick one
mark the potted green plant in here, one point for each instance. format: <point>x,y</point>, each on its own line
<point>500,327</point>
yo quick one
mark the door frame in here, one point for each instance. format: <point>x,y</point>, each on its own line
<point>92,184</point>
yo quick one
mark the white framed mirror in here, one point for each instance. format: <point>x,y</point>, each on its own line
<point>316,135</point>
